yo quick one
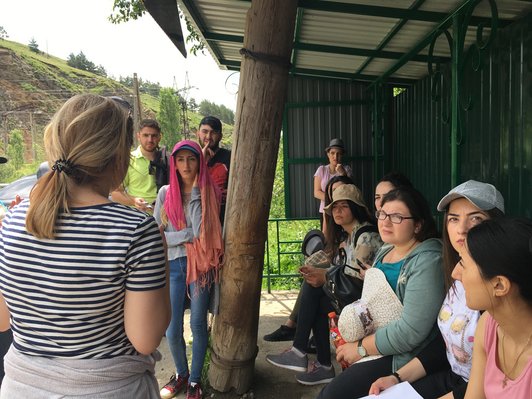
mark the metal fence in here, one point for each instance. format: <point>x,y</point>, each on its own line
<point>283,255</point>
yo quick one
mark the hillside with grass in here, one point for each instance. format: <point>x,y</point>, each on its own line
<point>33,85</point>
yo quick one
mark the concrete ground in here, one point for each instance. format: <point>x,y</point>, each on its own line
<point>270,381</point>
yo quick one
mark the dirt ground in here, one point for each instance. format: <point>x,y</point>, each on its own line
<point>270,382</point>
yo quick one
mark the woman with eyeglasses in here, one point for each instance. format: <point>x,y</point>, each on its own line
<point>411,261</point>
<point>349,215</point>
<point>441,370</point>
<point>82,277</point>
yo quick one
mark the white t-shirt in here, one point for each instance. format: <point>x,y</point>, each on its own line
<point>457,324</point>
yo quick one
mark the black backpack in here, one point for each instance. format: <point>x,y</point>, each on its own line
<point>161,164</point>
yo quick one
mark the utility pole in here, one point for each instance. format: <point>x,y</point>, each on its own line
<point>183,104</point>
<point>137,109</point>
<point>268,38</point>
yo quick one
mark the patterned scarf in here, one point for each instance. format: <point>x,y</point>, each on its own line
<point>204,253</point>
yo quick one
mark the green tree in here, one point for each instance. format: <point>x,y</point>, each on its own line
<point>207,108</point>
<point>80,61</point>
<point>15,148</point>
<point>124,10</point>
<point>3,33</point>
<point>277,209</point>
<point>220,111</point>
<point>34,46</point>
<point>193,105</point>
<point>169,117</point>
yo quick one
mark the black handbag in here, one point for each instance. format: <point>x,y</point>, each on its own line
<point>341,288</point>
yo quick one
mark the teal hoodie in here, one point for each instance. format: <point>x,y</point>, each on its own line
<point>420,288</point>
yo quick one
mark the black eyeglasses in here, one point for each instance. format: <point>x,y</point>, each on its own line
<point>395,218</point>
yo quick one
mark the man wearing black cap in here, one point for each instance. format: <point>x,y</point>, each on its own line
<point>218,159</point>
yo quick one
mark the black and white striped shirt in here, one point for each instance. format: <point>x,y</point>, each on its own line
<point>66,295</point>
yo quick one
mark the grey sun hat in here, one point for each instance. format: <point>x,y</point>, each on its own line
<point>336,143</point>
<point>346,192</point>
<point>483,195</point>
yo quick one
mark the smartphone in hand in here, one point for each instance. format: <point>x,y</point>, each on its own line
<point>362,266</point>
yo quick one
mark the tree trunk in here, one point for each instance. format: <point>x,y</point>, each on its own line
<point>262,92</point>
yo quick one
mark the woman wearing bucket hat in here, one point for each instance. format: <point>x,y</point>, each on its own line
<point>411,261</point>
<point>287,330</point>
<point>349,215</point>
<point>335,151</point>
<point>443,367</point>
<point>187,210</point>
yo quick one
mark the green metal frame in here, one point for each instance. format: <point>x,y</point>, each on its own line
<point>297,34</point>
<point>456,41</point>
<point>280,251</point>
<point>460,19</point>
<point>389,36</point>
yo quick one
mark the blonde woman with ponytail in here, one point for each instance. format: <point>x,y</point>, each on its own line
<point>80,276</point>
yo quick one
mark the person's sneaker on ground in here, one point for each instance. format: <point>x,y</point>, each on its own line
<point>194,391</point>
<point>173,387</point>
<point>283,333</point>
<point>317,374</point>
<point>291,359</point>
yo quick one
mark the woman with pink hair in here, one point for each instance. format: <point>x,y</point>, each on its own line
<point>187,212</point>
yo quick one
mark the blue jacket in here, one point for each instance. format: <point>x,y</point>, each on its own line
<point>420,288</point>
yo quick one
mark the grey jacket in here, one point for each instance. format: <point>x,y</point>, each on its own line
<point>420,288</point>
<point>175,239</point>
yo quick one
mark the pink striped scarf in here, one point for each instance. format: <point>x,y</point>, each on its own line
<point>204,253</point>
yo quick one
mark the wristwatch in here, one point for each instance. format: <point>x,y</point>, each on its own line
<point>361,350</point>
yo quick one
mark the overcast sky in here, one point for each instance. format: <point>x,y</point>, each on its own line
<point>61,27</point>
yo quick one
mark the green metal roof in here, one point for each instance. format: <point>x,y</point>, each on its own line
<point>364,40</point>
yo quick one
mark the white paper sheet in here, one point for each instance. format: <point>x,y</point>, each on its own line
<point>403,391</point>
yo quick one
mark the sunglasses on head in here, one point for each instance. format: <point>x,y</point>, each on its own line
<point>123,103</point>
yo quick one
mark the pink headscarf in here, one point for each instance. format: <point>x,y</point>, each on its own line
<point>205,252</point>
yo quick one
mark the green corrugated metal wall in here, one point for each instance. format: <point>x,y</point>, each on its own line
<point>495,141</point>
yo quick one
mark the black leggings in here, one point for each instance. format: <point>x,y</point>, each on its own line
<point>313,310</point>
<point>438,384</point>
<point>354,382</point>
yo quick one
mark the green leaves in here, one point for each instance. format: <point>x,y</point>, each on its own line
<point>124,10</point>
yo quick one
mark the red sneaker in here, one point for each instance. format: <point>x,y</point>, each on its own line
<point>194,392</point>
<point>173,387</point>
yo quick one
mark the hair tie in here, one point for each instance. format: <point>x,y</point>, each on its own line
<point>64,165</point>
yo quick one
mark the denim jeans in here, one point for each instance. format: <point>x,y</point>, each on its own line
<point>199,304</point>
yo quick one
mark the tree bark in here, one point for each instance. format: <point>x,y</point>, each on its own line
<point>261,96</point>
